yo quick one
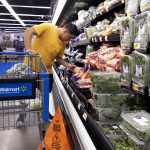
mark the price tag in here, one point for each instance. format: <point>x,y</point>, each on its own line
<point>84,116</point>
<point>100,38</point>
<point>135,87</point>
<point>95,39</point>
<point>123,1</point>
<point>79,106</point>
<point>92,39</point>
<point>72,95</point>
<point>106,38</point>
<point>136,45</point>
<point>123,46</point>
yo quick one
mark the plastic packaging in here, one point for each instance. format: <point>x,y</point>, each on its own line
<point>138,123</point>
<point>112,131</point>
<point>107,88</point>
<point>109,114</point>
<point>132,7</point>
<point>108,78</point>
<point>141,63</point>
<point>142,36</point>
<point>126,71</point>
<point>144,5</point>
<point>110,100</point>
<point>134,141</point>
<point>126,33</point>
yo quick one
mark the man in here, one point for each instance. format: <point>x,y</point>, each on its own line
<point>50,42</point>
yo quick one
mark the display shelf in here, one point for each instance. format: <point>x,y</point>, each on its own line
<point>96,134</point>
<point>79,129</point>
<point>117,6</point>
<point>80,43</point>
<point>110,38</point>
<point>99,139</point>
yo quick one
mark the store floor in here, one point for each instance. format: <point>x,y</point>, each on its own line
<point>20,139</point>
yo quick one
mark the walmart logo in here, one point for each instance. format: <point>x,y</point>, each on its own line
<point>23,88</point>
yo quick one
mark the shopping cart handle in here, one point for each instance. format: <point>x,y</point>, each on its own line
<point>14,53</point>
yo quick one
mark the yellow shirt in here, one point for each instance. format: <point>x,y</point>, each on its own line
<point>48,44</point>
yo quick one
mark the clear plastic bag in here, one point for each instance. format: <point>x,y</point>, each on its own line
<point>132,7</point>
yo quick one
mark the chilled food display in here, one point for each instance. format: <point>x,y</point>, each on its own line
<point>134,141</point>
<point>138,123</point>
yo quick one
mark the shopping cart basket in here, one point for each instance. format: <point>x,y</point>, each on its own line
<point>24,91</point>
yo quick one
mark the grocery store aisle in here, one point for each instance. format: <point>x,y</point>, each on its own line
<point>20,139</point>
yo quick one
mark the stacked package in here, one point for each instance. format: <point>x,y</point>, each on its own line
<point>136,125</point>
<point>109,99</point>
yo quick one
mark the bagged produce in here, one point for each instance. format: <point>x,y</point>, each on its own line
<point>108,114</point>
<point>141,65</point>
<point>105,78</point>
<point>138,123</point>
<point>132,7</point>
<point>142,36</point>
<point>122,144</point>
<point>126,70</point>
<point>112,131</point>
<point>126,33</point>
<point>134,141</point>
<point>110,100</point>
<point>145,5</point>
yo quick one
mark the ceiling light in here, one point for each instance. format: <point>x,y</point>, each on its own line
<point>13,24</point>
<point>23,20</point>
<point>39,7</point>
<point>8,14</point>
<point>5,3</point>
<point>11,27</point>
<point>59,8</point>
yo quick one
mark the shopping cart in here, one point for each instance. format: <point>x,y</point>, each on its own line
<point>24,91</point>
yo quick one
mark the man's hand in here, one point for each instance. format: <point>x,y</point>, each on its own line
<point>72,67</point>
<point>31,52</point>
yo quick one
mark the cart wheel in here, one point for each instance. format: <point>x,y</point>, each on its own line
<point>20,120</point>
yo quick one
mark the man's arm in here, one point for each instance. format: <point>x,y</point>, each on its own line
<point>64,63</point>
<point>28,37</point>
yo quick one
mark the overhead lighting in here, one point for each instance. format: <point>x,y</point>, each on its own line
<point>23,20</point>
<point>5,3</point>
<point>39,7</point>
<point>11,27</point>
<point>12,24</point>
<point>59,8</point>
<point>8,14</point>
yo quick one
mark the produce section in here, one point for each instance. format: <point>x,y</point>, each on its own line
<point>114,71</point>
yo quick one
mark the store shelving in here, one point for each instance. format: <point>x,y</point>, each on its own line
<point>97,136</point>
<point>80,43</point>
<point>109,38</point>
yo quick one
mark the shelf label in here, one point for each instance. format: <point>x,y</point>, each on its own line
<point>123,1</point>
<point>79,106</point>
<point>72,95</point>
<point>135,87</point>
<point>95,39</point>
<point>84,116</point>
<point>106,38</point>
<point>123,46</point>
<point>100,38</point>
<point>136,45</point>
<point>92,39</point>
